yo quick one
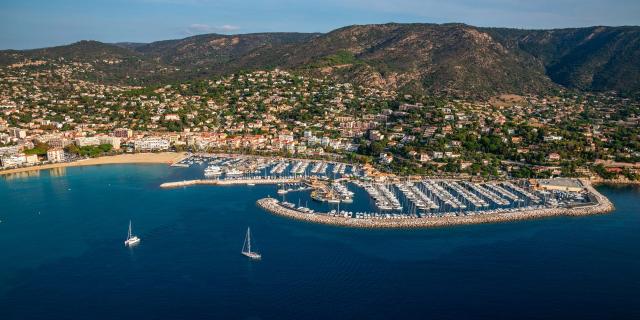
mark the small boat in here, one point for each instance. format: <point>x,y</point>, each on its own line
<point>131,239</point>
<point>212,171</point>
<point>246,248</point>
<point>233,172</point>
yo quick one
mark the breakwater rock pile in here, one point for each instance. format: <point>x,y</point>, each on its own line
<point>223,182</point>
<point>599,205</point>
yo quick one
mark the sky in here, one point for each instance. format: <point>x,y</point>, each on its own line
<point>27,24</point>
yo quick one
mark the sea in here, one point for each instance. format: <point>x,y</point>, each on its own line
<point>62,256</point>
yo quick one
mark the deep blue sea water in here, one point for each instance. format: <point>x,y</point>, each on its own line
<point>62,257</point>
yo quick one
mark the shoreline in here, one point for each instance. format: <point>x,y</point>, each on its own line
<point>133,158</point>
<point>602,206</point>
<point>616,182</point>
<point>170,158</point>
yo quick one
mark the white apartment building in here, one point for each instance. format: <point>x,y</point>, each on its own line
<point>55,155</point>
<point>18,133</point>
<point>113,141</point>
<point>12,160</point>
<point>18,159</point>
<point>87,141</point>
<point>151,144</point>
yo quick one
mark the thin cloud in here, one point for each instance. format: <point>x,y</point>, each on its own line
<point>229,28</point>
<point>200,28</point>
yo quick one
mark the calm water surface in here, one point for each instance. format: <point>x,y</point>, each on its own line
<point>62,257</point>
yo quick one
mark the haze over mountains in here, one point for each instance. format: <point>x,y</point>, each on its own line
<point>455,59</point>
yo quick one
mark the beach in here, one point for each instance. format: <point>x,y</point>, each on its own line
<point>162,157</point>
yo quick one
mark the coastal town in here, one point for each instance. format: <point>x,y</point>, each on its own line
<point>49,114</point>
<point>269,159</point>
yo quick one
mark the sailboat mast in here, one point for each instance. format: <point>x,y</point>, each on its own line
<point>129,234</point>
<point>249,240</point>
<point>244,244</point>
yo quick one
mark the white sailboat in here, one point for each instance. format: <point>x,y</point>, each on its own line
<point>282,190</point>
<point>131,239</point>
<point>246,248</point>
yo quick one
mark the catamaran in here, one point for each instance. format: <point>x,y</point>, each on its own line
<point>246,248</point>
<point>131,239</point>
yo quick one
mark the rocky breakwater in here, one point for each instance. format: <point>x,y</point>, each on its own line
<point>186,183</point>
<point>599,205</point>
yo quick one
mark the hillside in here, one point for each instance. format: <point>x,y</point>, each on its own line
<point>455,59</point>
<point>595,58</point>
<point>109,63</point>
<point>212,49</point>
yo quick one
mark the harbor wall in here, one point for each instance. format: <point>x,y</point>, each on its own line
<point>601,205</point>
<point>186,183</point>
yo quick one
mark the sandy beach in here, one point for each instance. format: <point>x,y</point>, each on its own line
<point>163,157</point>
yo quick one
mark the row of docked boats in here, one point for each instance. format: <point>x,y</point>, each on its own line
<point>532,197</point>
<point>212,171</point>
<point>344,193</point>
<point>290,187</point>
<point>339,168</point>
<point>442,195</point>
<point>486,193</point>
<point>215,171</point>
<point>384,198</point>
<point>300,167</point>
<point>503,192</point>
<point>470,197</point>
<point>319,167</point>
<point>419,200</point>
<point>481,212</point>
<point>279,168</point>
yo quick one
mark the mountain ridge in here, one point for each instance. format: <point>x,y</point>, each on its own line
<point>453,58</point>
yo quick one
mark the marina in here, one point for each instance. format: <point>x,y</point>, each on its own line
<point>345,192</point>
<point>374,221</point>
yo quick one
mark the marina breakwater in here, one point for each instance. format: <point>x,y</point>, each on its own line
<point>227,182</point>
<point>600,205</point>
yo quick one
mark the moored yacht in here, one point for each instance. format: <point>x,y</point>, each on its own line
<point>233,172</point>
<point>212,171</point>
<point>246,248</point>
<point>131,239</point>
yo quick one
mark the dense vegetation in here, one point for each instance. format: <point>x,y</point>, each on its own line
<point>456,59</point>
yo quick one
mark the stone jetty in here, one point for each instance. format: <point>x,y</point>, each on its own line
<point>599,205</point>
<point>226,182</point>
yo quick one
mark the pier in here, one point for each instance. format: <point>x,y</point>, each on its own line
<point>186,183</point>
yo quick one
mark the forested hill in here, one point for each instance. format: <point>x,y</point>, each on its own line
<point>455,59</point>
